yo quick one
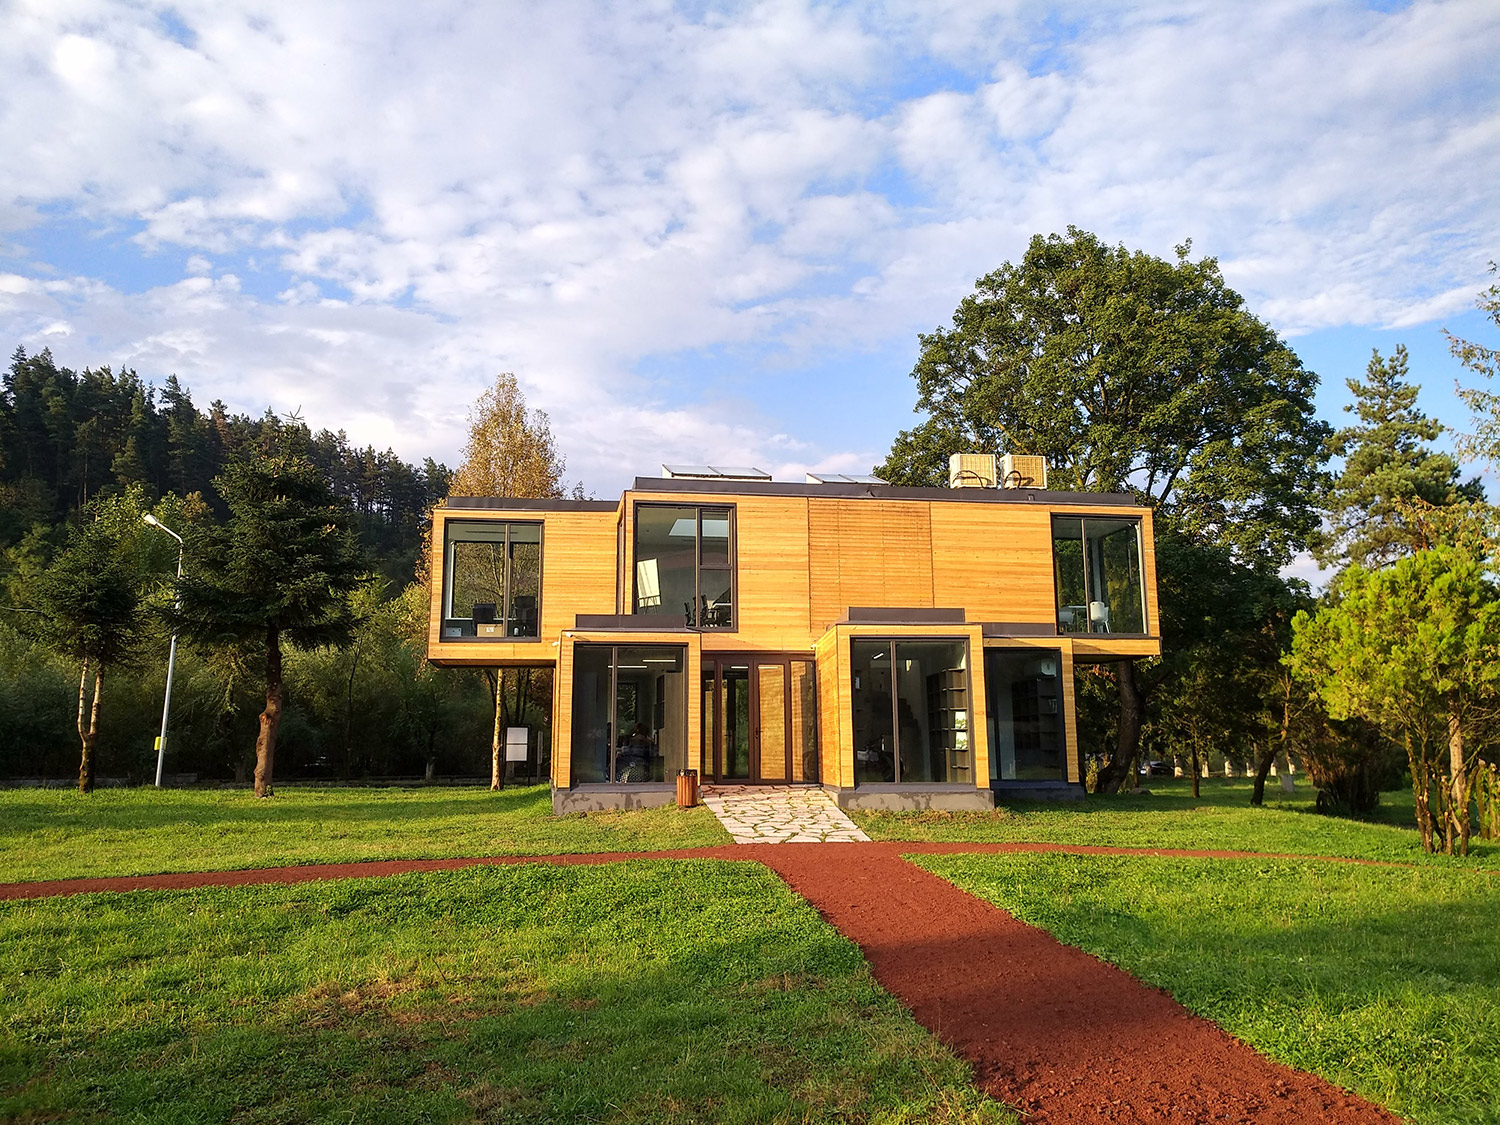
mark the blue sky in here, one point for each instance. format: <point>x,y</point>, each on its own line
<point>706,232</point>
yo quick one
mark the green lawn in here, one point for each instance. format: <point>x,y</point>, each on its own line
<point>653,991</point>
<point>1221,818</point>
<point>58,834</point>
<point>1384,980</point>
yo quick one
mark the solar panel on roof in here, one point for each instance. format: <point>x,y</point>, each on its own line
<point>715,472</point>
<point>842,478</point>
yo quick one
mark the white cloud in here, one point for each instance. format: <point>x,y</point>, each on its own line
<point>380,205</point>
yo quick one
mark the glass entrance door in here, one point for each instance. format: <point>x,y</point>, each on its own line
<point>759,720</point>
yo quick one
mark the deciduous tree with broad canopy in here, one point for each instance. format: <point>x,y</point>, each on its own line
<point>281,568</point>
<point>1128,373</point>
<point>510,453</point>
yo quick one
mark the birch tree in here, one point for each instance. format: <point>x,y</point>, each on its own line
<point>510,454</point>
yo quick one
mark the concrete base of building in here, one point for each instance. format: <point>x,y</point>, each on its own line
<point>913,798</point>
<point>1038,791</point>
<point>612,798</point>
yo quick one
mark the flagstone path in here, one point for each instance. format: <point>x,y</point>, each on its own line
<point>780,814</point>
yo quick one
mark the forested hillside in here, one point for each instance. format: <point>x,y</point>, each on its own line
<point>91,444</point>
<point>68,437</point>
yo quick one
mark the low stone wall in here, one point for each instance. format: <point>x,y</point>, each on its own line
<point>612,798</point>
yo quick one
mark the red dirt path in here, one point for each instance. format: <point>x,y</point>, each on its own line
<point>1049,1029</point>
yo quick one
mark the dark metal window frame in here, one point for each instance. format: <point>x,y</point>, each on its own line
<point>891,643</point>
<point>614,697</point>
<point>1083,538</point>
<point>698,568</point>
<point>448,567</point>
<point>1062,717</point>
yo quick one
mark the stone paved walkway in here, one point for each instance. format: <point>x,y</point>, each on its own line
<point>780,814</point>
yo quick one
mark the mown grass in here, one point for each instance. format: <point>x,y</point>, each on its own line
<point>648,991</point>
<point>1221,818</point>
<point>57,834</point>
<point>1383,980</point>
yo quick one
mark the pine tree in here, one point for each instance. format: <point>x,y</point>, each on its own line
<point>90,605</point>
<point>280,568</point>
<point>1387,464</point>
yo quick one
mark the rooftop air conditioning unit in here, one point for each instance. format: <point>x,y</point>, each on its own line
<point>1023,470</point>
<point>971,470</point>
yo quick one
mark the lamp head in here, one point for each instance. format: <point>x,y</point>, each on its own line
<point>152,520</point>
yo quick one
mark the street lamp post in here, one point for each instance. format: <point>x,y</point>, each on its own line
<point>166,707</point>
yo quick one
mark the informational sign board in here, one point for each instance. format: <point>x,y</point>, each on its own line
<point>515,744</point>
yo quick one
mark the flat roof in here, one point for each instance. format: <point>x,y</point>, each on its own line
<point>843,491</point>
<point>831,490</point>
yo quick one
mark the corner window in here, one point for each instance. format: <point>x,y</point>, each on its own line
<point>1100,588</point>
<point>629,713</point>
<point>492,580</point>
<point>684,564</point>
<point>1023,699</point>
<point>911,711</point>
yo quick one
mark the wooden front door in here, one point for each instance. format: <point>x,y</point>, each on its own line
<point>759,720</point>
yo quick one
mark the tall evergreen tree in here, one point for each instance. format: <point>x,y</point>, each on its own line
<point>90,605</point>
<point>281,568</point>
<point>1387,464</point>
<point>1482,402</point>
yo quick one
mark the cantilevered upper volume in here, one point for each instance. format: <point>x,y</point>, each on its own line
<point>902,647</point>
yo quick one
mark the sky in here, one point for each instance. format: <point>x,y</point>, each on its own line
<point>711,232</point>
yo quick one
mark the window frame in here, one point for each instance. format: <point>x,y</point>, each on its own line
<point>996,770</point>
<point>732,568</point>
<point>891,644</point>
<point>612,758</point>
<point>449,545</point>
<point>1140,548</point>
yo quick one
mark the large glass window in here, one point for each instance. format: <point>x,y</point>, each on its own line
<point>492,580</point>
<point>1100,588</point>
<point>911,711</point>
<point>1023,699</point>
<point>684,563</point>
<point>629,713</point>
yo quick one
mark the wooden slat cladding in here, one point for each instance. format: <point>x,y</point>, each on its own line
<point>771,534</point>
<point>866,553</point>
<point>835,745</point>
<point>994,560</point>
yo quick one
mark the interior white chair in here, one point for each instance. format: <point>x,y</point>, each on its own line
<point>1099,617</point>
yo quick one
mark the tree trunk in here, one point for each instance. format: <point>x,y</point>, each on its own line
<point>88,735</point>
<point>497,767</point>
<point>1458,803</point>
<point>1197,771</point>
<point>1421,791</point>
<point>270,718</point>
<point>349,715</point>
<point>1120,768</point>
<point>1268,756</point>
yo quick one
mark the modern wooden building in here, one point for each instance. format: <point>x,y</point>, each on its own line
<point>902,647</point>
